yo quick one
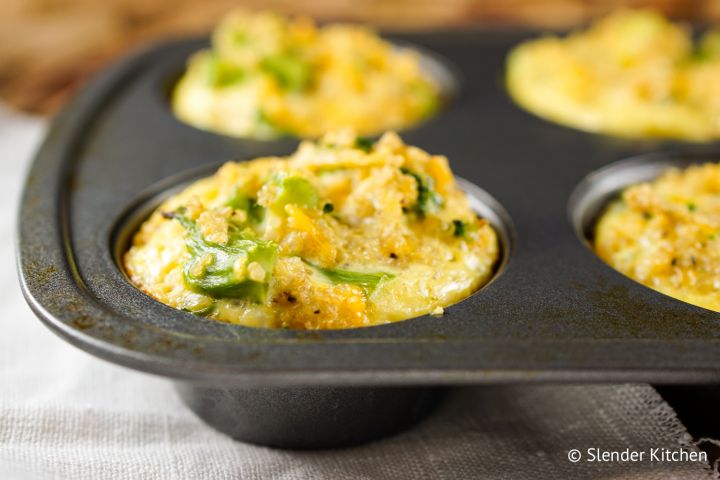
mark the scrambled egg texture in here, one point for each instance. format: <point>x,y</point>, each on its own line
<point>343,233</point>
<point>666,234</point>
<point>267,75</point>
<point>631,74</point>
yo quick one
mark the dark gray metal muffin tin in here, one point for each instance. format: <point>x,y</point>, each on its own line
<point>554,312</point>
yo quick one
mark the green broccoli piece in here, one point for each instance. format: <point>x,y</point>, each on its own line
<point>369,281</point>
<point>709,47</point>
<point>427,198</point>
<point>292,189</point>
<point>291,72</point>
<point>426,98</point>
<point>459,228</point>
<point>217,278</point>
<point>220,74</point>
<point>363,143</point>
<point>242,201</point>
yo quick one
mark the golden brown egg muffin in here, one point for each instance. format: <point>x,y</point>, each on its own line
<point>631,74</point>
<point>267,75</point>
<point>666,234</point>
<point>343,233</point>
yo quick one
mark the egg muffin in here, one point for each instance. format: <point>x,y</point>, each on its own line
<point>343,233</point>
<point>631,74</point>
<point>666,234</point>
<point>267,75</point>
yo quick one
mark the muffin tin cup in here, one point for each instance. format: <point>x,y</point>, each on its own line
<point>596,191</point>
<point>553,312</point>
<point>309,417</point>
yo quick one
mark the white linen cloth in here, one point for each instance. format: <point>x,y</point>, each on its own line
<point>65,414</point>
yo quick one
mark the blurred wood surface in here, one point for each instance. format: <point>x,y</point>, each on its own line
<point>49,47</point>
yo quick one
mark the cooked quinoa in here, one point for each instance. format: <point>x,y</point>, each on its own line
<point>631,74</point>
<point>343,233</point>
<point>666,234</point>
<point>267,75</point>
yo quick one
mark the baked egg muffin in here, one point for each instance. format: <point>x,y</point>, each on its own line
<point>343,233</point>
<point>666,234</point>
<point>631,74</point>
<point>267,75</point>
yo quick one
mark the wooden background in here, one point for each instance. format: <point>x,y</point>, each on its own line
<point>49,47</point>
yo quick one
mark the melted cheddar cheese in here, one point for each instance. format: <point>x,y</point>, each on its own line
<point>631,74</point>
<point>666,234</point>
<point>343,233</point>
<point>267,75</point>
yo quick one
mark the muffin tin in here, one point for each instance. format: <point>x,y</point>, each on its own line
<point>554,311</point>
